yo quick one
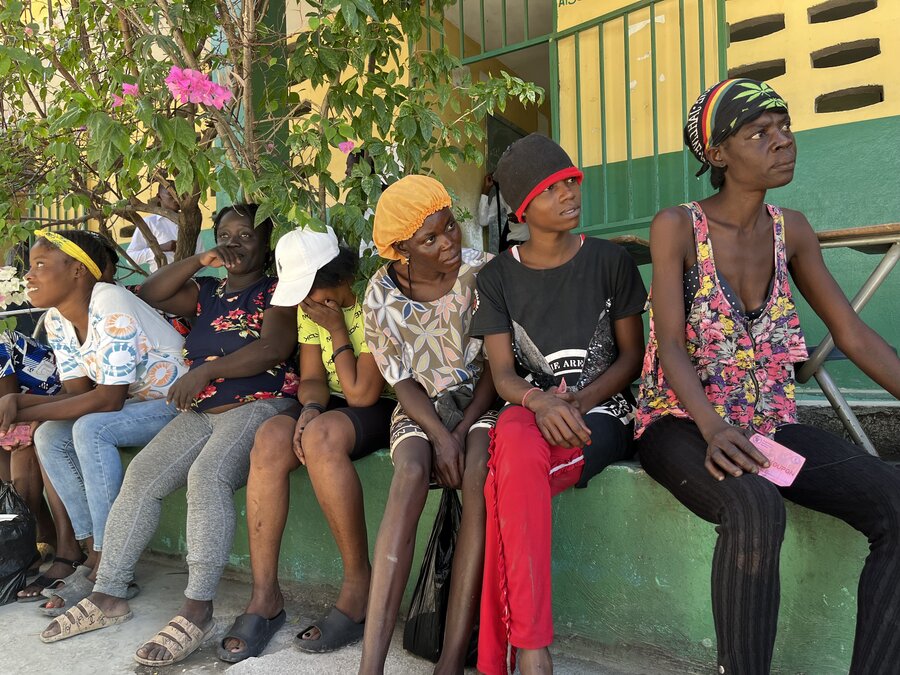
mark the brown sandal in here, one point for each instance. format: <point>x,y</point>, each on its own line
<point>180,638</point>
<point>82,618</point>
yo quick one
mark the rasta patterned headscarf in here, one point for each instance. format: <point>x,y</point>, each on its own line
<point>723,109</point>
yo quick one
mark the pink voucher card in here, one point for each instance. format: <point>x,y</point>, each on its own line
<point>784,463</point>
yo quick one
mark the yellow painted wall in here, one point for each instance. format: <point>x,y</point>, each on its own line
<point>467,180</point>
<point>613,99</point>
<point>801,83</point>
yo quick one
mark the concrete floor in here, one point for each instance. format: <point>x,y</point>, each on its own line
<point>110,650</point>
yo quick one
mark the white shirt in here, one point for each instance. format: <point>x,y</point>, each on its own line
<point>487,218</point>
<point>165,231</point>
<point>127,342</point>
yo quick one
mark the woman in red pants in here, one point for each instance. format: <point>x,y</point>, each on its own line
<point>561,319</point>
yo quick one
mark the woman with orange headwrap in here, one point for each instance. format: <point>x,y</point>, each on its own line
<point>418,313</point>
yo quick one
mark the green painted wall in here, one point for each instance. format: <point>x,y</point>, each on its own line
<point>631,568</point>
<point>846,176</point>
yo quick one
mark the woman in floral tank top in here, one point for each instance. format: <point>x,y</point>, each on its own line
<point>719,368</point>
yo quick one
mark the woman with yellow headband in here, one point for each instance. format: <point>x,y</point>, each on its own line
<point>117,358</point>
<point>418,311</point>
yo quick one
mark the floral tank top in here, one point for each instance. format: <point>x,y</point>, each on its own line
<point>746,366</point>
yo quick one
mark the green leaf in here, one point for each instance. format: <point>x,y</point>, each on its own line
<point>184,133</point>
<point>266,209</point>
<point>366,8</point>
<point>406,126</point>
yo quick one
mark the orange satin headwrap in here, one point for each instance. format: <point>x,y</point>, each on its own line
<point>403,208</point>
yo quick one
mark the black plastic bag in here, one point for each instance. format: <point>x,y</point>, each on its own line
<point>17,542</point>
<point>423,634</point>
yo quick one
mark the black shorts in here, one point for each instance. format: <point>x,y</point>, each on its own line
<point>372,424</point>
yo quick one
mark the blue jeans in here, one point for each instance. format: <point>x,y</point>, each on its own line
<point>81,458</point>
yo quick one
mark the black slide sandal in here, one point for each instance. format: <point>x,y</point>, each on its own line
<point>254,631</point>
<point>337,630</point>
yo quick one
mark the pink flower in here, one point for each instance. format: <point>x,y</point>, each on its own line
<point>28,31</point>
<point>117,101</point>
<point>270,146</point>
<point>130,90</point>
<point>346,146</point>
<point>192,86</point>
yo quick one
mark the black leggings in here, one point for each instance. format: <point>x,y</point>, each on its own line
<point>837,479</point>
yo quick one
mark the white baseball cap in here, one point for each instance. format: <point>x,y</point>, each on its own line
<point>298,256</point>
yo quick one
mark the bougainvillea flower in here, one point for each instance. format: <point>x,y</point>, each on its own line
<point>346,146</point>
<point>130,90</point>
<point>192,86</point>
<point>117,101</point>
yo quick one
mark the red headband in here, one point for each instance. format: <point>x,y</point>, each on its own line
<point>562,174</point>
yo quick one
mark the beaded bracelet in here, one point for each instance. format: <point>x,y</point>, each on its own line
<point>527,393</point>
<point>339,350</point>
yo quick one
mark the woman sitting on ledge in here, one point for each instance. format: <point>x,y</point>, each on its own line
<point>345,417</point>
<point>719,368</point>
<point>117,360</point>
<point>418,312</point>
<point>238,378</point>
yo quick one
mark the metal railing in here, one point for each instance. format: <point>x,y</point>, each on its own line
<point>598,217</point>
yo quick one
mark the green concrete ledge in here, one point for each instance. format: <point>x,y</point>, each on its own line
<point>631,567</point>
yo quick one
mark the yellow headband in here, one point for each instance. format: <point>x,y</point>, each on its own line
<point>71,249</point>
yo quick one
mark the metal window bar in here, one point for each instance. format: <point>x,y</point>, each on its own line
<point>503,21</point>
<point>687,64</point>
<point>684,96</point>
<point>629,168</point>
<point>655,104</point>
<point>462,29</point>
<point>701,39</point>
<point>428,25</point>
<point>526,19</point>
<point>603,148</point>
<point>483,43</point>
<point>585,195</point>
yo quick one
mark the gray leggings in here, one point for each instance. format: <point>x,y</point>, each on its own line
<point>211,455</point>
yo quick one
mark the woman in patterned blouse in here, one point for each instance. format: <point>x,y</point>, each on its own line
<point>718,377</point>
<point>418,311</point>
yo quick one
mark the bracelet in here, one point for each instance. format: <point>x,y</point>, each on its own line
<point>313,406</point>
<point>529,392</point>
<point>337,351</point>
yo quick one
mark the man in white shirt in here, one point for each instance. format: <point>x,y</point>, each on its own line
<point>165,231</point>
<point>502,232</point>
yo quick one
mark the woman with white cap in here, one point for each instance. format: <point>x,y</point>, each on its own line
<point>345,417</point>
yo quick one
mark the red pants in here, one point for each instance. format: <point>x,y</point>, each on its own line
<point>524,472</point>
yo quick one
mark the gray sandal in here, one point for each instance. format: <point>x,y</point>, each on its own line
<point>337,630</point>
<point>76,589</point>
